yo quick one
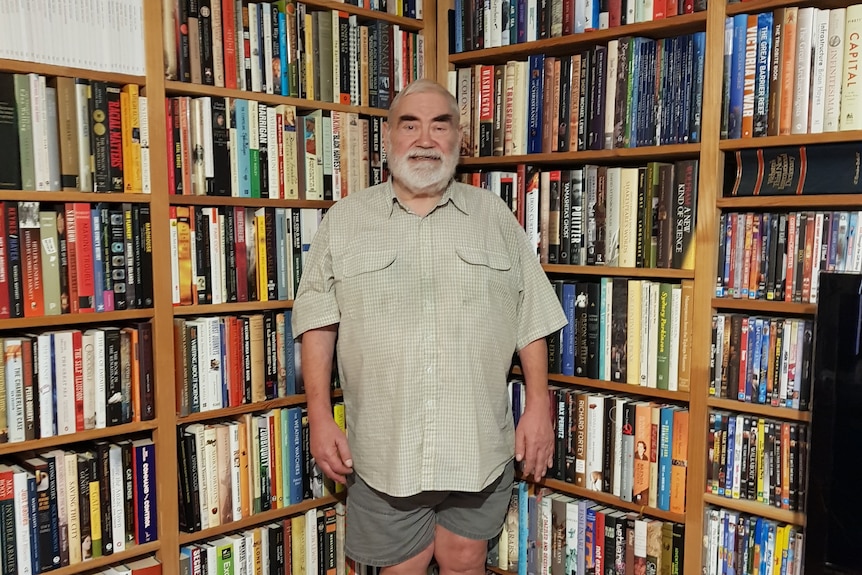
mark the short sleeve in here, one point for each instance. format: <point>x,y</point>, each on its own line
<point>315,304</point>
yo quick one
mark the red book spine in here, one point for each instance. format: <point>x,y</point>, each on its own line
<point>229,39</point>
<point>78,363</point>
<point>241,259</point>
<point>72,256</point>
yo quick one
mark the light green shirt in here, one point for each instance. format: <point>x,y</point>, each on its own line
<point>431,311</point>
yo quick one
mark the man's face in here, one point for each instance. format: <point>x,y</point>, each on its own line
<point>422,142</point>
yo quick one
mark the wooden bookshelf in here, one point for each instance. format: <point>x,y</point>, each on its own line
<point>759,410</point>
<point>608,271</point>
<point>130,554</point>
<point>405,23</point>
<point>755,508</point>
<point>76,319</point>
<point>24,67</point>
<point>247,202</point>
<point>764,306</point>
<point>231,308</point>
<point>45,443</point>
<point>229,412</point>
<point>782,203</point>
<point>617,155</point>
<point>623,388</point>
<point>63,197</point>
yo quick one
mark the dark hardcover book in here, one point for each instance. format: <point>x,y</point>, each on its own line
<point>685,210</point>
<point>219,184</point>
<point>561,431</point>
<point>115,138</point>
<point>596,133</point>
<point>145,258</point>
<point>581,328</point>
<point>10,168</point>
<point>128,239</point>
<point>565,217</point>
<point>585,79</point>
<point>130,510</point>
<point>117,245</point>
<point>104,466</point>
<point>137,255</point>
<point>534,103</point>
<point>47,526</point>
<point>794,170</point>
<point>271,255</point>
<point>142,474</point>
<point>146,370</point>
<point>14,261</point>
<point>202,247</point>
<point>182,34</point>
<point>384,63</point>
<point>205,32</point>
<point>593,345</point>
<point>190,520</point>
<point>30,356</point>
<point>619,330</point>
<point>99,137</point>
<point>600,216</point>
<point>499,111</point>
<point>263,133</point>
<point>621,111</point>
<point>113,376</point>
<point>269,354</point>
<point>554,231</point>
<point>176,153</point>
<point>107,285</point>
<point>84,523</point>
<point>246,358</point>
<point>807,333</point>
<point>554,340</point>
<point>565,104</point>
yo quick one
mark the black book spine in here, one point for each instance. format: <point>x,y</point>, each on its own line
<point>10,167</point>
<point>229,251</point>
<point>205,25</point>
<point>220,183</point>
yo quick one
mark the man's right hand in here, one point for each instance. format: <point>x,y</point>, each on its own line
<point>330,450</point>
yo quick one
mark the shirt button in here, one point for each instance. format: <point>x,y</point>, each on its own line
<point>429,404</point>
<point>429,369</point>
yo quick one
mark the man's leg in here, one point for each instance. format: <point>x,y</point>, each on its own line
<point>459,555</point>
<point>416,565</point>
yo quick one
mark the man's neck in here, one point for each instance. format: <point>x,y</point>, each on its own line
<point>420,201</point>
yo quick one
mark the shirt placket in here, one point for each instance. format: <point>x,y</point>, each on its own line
<point>426,246</point>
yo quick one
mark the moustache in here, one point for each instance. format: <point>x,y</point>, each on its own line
<point>424,156</point>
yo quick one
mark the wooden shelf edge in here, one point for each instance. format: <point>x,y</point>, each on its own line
<point>665,27</point>
<point>257,519</point>
<point>759,409</point>
<point>761,203</point>
<point>791,140</point>
<point>227,412</point>
<point>764,306</point>
<point>247,202</point>
<point>25,67</point>
<point>755,508</point>
<point>626,388</point>
<point>79,437</point>
<point>175,88</point>
<point>500,571</point>
<point>72,196</point>
<point>75,319</point>
<point>131,553</point>
<point>411,24</point>
<point>650,153</point>
<point>657,273</point>
<point>228,308</point>
<point>609,499</point>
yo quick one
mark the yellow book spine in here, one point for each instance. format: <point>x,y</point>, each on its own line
<point>297,544</point>
<point>260,223</point>
<point>275,442</point>
<point>341,421</point>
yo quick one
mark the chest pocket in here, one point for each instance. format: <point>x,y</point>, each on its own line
<point>484,280</point>
<point>369,284</point>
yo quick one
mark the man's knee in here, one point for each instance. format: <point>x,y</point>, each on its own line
<point>416,565</point>
<point>457,554</point>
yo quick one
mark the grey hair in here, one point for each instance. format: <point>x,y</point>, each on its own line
<point>423,86</point>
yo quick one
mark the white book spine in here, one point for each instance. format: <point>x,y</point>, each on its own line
<point>144,115</point>
<point>254,42</point>
<point>265,14</point>
<point>595,441</point>
<point>100,379</point>
<point>834,69</point>
<point>675,326</point>
<point>616,484</point>
<point>118,508</point>
<point>89,369</point>
<point>802,79</point>
<point>851,88</point>
<point>22,521</point>
<point>819,49</point>
<point>46,387</point>
<point>214,363</point>
<point>272,161</point>
<point>815,263</point>
<point>311,549</point>
<point>207,124</point>
<point>235,480</point>
<point>64,374</point>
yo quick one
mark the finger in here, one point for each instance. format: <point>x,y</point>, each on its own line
<point>337,465</point>
<point>520,445</point>
<point>330,473</point>
<point>344,452</point>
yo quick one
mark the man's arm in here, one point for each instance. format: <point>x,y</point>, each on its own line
<point>534,437</point>
<point>328,443</point>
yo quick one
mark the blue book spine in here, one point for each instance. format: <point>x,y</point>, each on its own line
<point>752,387</point>
<point>146,523</point>
<point>521,32</point>
<point>33,513</point>
<point>727,490</point>
<point>764,65</point>
<point>281,262</point>
<point>737,76</point>
<point>282,53</point>
<point>664,459</point>
<point>764,359</point>
<point>523,526</point>
<point>244,151</point>
<point>289,355</point>
<point>534,104</point>
<point>98,260</point>
<point>567,341</point>
<point>294,430</point>
<point>513,21</point>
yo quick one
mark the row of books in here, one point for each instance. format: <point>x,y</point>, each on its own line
<point>779,256</point>
<point>632,92</point>
<point>757,459</point>
<point>791,71</point>
<point>63,508</point>
<point>63,133</point>
<point>762,360</point>
<point>74,258</point>
<point>110,39</point>
<point>289,49</point>
<point>234,469</point>
<point>475,25</point>
<point>549,532</point>
<point>604,215</point>
<point>64,382</point>
<point>230,254</point>
<point>310,543</point>
<point>624,330</point>
<point>628,447</point>
<point>235,360</point>
<point>737,542</point>
<point>244,148</point>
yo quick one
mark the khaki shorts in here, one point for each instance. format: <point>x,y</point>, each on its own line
<point>384,530</point>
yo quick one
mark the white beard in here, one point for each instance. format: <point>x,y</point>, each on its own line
<point>422,175</point>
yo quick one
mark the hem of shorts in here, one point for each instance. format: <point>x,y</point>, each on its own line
<point>385,562</point>
<point>476,536</point>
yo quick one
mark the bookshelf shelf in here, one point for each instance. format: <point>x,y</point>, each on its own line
<point>90,197</point>
<point>75,319</point>
<point>411,24</point>
<point>663,28</point>
<point>499,571</point>
<point>229,308</point>
<point>261,406</point>
<point>746,7</point>
<point>247,202</point>
<point>81,436</point>
<point>649,153</point>
<point>609,499</point>
<point>791,140</point>
<point>754,508</point>
<point>678,396</point>
<point>766,203</point>
<point>759,409</point>
<point>761,306</point>
<point>24,67</point>
<point>654,273</point>
<point>174,88</point>
<point>256,519</point>
<point>129,554</point>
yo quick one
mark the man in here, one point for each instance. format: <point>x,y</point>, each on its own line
<point>428,286</point>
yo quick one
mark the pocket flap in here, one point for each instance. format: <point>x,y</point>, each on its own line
<point>480,257</point>
<point>365,262</point>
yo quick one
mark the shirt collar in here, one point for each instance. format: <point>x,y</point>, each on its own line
<point>455,192</point>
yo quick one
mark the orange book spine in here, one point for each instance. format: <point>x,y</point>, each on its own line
<point>643,446</point>
<point>788,71</point>
<point>679,461</point>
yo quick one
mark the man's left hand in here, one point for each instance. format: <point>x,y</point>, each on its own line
<point>534,442</point>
